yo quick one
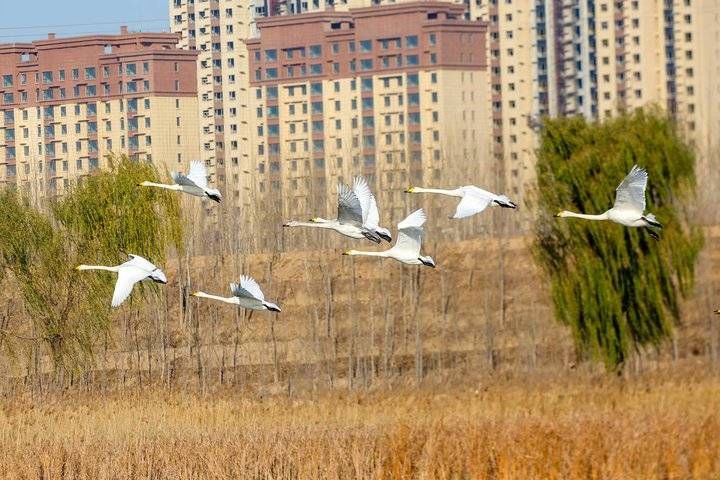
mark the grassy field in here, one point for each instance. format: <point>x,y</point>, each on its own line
<point>663,425</point>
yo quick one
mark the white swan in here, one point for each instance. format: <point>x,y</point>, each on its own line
<point>407,247</point>
<point>349,220</point>
<point>129,273</point>
<point>629,204</point>
<point>368,205</point>
<point>474,199</point>
<point>194,183</point>
<point>246,295</point>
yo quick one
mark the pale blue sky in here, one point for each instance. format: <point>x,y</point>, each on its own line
<point>78,17</point>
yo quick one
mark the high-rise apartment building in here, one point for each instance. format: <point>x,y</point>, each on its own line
<point>216,30</point>
<point>518,54</point>
<point>546,58</point>
<point>68,102</point>
<point>596,58</point>
<point>307,121</point>
<point>397,93</point>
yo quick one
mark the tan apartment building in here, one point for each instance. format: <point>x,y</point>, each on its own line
<point>546,58</point>
<point>68,102</point>
<point>215,30</point>
<point>397,93</point>
<point>518,57</point>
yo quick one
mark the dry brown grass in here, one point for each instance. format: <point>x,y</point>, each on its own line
<point>658,426</point>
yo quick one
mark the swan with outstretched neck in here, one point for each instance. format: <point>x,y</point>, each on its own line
<point>247,294</point>
<point>194,183</point>
<point>474,199</point>
<point>629,206</point>
<point>349,220</point>
<point>407,246</point>
<point>129,273</point>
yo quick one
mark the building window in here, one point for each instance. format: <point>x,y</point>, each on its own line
<point>366,64</point>
<point>90,73</point>
<point>315,51</point>
<point>365,46</point>
<point>411,41</point>
<point>432,39</point>
<point>270,55</point>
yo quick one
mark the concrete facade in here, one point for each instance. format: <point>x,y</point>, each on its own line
<point>66,103</point>
<point>301,111</point>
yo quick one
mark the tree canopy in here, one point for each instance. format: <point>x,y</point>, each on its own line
<point>617,288</point>
<point>99,221</point>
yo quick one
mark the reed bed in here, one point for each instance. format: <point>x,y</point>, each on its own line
<point>654,427</point>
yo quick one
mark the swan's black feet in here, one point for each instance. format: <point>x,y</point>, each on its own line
<point>652,233</point>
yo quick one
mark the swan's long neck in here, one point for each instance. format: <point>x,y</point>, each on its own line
<point>452,193</point>
<point>369,254</point>
<point>234,300</point>
<point>602,216</point>
<point>319,224</point>
<point>160,185</point>
<point>97,267</point>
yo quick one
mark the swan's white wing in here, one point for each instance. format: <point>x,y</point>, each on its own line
<point>364,195</point>
<point>248,288</point>
<point>630,194</point>
<point>373,215</point>
<point>196,177</point>
<point>477,191</point>
<point>139,262</point>
<point>128,276</point>
<point>410,233</point>
<point>198,173</point>
<point>471,204</point>
<point>415,219</point>
<point>349,209</point>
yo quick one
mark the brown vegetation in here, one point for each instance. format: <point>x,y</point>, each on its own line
<point>661,425</point>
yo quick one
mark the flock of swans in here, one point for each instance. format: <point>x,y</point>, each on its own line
<point>358,217</point>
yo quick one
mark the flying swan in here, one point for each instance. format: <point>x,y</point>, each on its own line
<point>194,183</point>
<point>474,199</point>
<point>349,220</point>
<point>368,205</point>
<point>407,247</point>
<point>129,273</point>
<point>629,204</point>
<point>246,295</point>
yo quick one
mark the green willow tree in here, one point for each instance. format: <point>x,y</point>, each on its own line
<point>102,219</point>
<point>617,288</point>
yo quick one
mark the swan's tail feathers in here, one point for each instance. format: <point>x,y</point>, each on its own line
<point>372,236</point>
<point>652,221</point>
<point>504,202</point>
